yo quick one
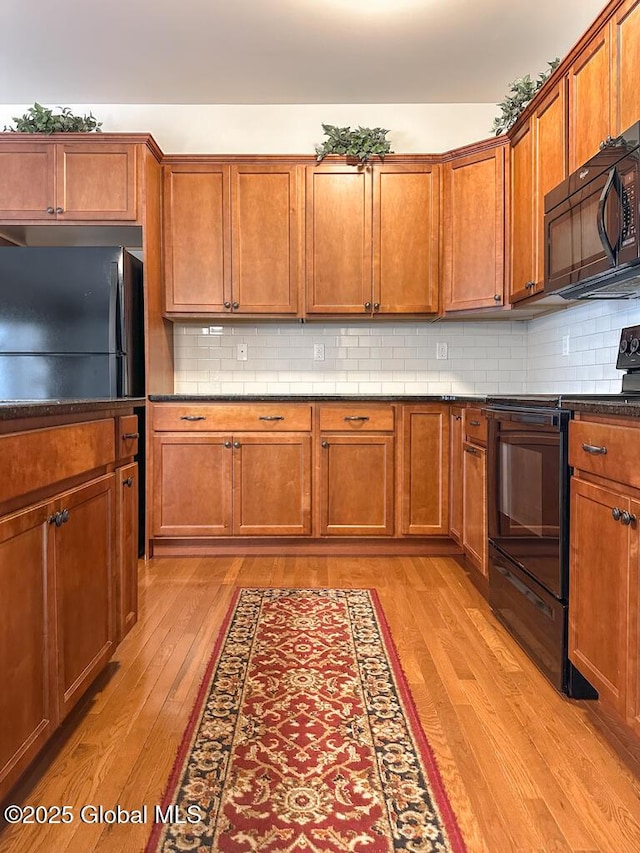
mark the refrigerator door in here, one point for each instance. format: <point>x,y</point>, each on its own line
<point>60,299</point>
<point>57,377</point>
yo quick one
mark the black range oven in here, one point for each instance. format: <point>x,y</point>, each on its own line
<point>528,525</point>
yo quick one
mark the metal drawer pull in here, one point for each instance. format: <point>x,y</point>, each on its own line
<point>471,450</point>
<point>474,423</point>
<point>59,518</point>
<point>271,418</point>
<point>627,518</point>
<point>128,482</point>
<point>594,449</point>
<point>356,418</point>
<point>130,435</point>
<point>192,418</point>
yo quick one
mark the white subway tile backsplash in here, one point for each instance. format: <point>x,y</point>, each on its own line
<point>385,358</point>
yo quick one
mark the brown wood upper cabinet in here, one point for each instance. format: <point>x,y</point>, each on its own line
<point>49,181</point>
<point>589,85</point>
<point>538,163</point>
<point>372,239</point>
<point>625,56</point>
<point>231,239</point>
<point>473,234</point>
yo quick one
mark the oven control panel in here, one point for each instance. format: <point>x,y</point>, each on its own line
<point>629,349</point>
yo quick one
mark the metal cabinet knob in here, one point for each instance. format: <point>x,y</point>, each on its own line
<point>227,444</point>
<point>237,444</point>
<point>367,306</point>
<point>227,304</point>
<point>529,285</point>
<point>236,305</point>
<point>324,444</point>
<point>376,306</point>
<point>628,518</point>
<point>497,297</point>
<point>50,210</point>
<point>616,512</point>
<point>59,210</point>
<point>128,482</point>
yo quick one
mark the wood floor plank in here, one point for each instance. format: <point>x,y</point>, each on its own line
<point>525,768</point>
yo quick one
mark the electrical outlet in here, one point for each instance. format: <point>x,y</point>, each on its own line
<point>442,350</point>
<point>318,352</point>
<point>565,345</point>
<point>243,352</point>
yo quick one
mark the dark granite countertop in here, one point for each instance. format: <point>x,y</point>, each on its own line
<point>628,407</point>
<point>316,398</point>
<point>10,409</point>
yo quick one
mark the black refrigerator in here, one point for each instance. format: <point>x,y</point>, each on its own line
<point>71,323</point>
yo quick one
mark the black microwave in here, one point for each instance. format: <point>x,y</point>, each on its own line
<point>591,227</point>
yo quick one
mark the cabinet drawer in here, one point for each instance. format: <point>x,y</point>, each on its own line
<point>607,450</point>
<point>127,436</point>
<point>475,425</point>
<point>232,417</point>
<point>357,418</point>
<point>40,458</point>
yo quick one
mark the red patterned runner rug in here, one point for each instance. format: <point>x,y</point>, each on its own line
<point>304,737</point>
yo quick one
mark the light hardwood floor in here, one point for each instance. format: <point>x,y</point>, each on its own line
<point>525,768</point>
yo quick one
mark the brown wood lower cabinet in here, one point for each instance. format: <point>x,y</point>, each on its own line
<point>425,470</point>
<point>126,587</point>
<point>356,485</point>
<point>474,487</point>
<point>81,553</point>
<point>240,484</point>
<point>28,709</point>
<point>601,569</point>
<point>58,569</point>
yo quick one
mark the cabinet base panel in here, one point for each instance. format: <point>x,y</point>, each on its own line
<point>440,546</point>
<point>480,581</point>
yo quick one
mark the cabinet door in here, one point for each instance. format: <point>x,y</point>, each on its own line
<point>406,201</point>
<point>126,593</point>
<point>425,471</point>
<point>272,485</point>
<point>265,257</point>
<point>589,100</point>
<point>550,144</point>
<point>633,674</point>
<point>523,209</point>
<point>197,239</point>
<point>474,520</point>
<point>599,589</point>
<point>27,656</point>
<point>81,550</point>
<point>474,223</point>
<point>626,61</point>
<point>338,240</point>
<point>192,485</point>
<point>96,181</point>
<point>455,492</point>
<point>356,485</point>
<point>27,180</point>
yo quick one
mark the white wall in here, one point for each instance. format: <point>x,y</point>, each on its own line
<point>285,128</point>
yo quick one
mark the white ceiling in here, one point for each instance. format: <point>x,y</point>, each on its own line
<point>279,51</point>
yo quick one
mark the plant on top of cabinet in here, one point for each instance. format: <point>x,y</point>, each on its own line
<point>361,143</point>
<point>521,92</point>
<point>39,119</point>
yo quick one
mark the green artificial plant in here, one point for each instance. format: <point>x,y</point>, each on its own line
<point>521,92</point>
<point>39,119</point>
<point>361,143</point>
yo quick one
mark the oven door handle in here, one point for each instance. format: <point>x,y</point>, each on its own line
<point>524,590</point>
<point>602,204</point>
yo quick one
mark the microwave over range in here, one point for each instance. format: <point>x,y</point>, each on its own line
<point>591,225</point>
